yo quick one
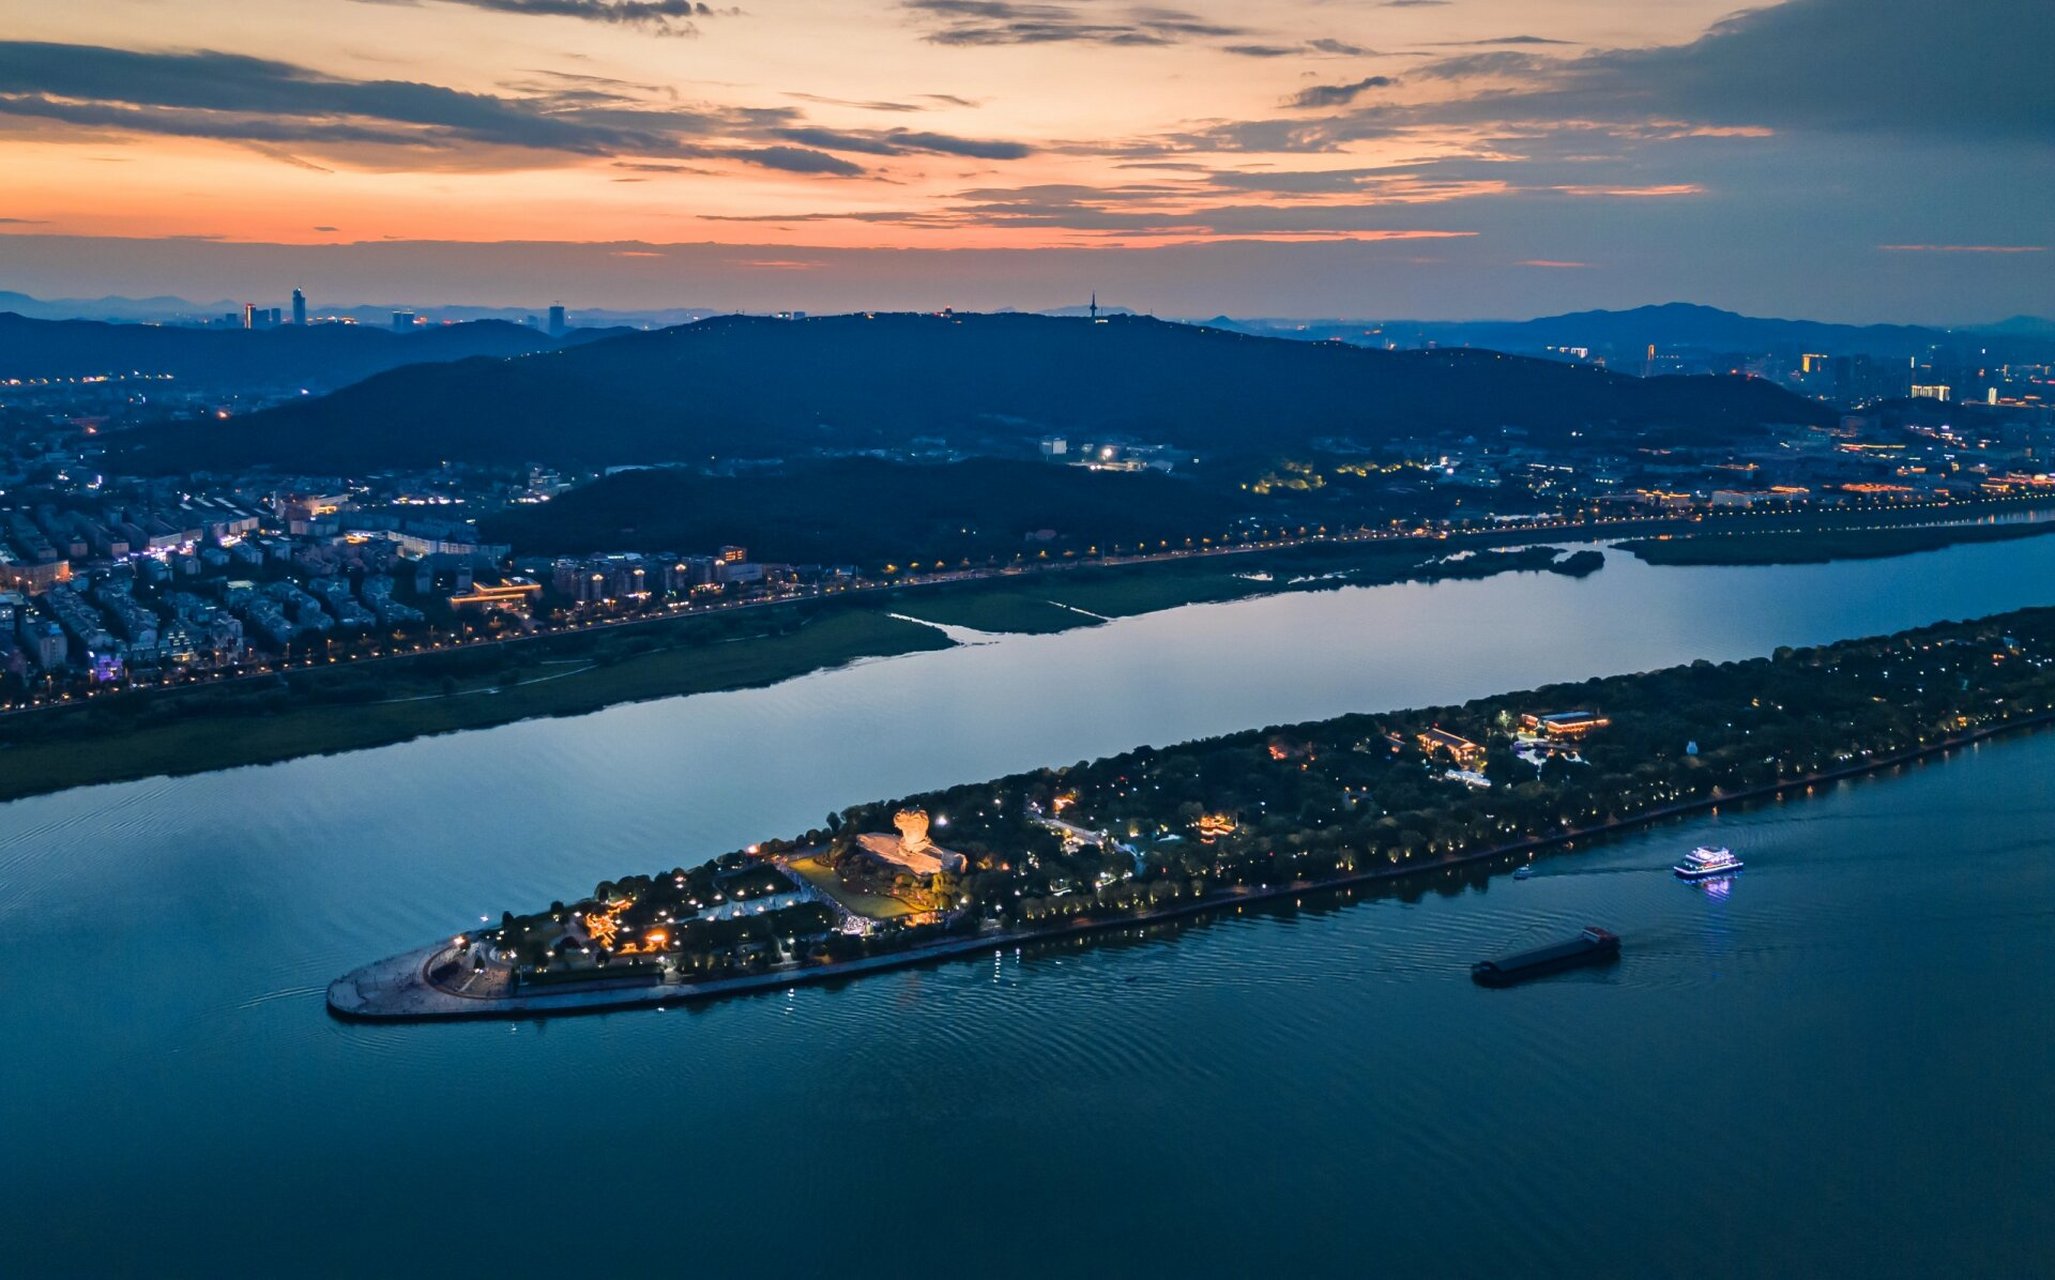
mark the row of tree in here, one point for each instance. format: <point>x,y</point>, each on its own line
<point>1357,792</point>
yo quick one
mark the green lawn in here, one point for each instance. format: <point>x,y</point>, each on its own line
<point>1122,592</point>
<point>1016,607</point>
<point>823,877</point>
<point>1035,604</point>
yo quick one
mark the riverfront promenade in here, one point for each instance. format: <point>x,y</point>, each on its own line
<point>399,989</point>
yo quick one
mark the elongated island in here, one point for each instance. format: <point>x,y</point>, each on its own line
<point>1157,833</point>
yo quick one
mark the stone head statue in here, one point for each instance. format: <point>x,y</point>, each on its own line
<point>913,829</point>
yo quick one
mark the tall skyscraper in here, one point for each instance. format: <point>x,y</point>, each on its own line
<point>249,315</point>
<point>557,325</point>
<point>299,307</point>
<point>402,321</point>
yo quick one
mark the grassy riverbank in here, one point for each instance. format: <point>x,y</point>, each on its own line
<point>1820,546</point>
<point>350,706</point>
<point>1061,601</point>
<point>317,712</point>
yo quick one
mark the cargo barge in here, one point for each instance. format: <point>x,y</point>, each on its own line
<point>1592,946</point>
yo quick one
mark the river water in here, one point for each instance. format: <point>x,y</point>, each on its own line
<point>1837,1065</point>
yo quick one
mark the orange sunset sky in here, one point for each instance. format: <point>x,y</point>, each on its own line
<point>1565,145</point>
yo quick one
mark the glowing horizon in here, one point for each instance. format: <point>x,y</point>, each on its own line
<point>1586,137</point>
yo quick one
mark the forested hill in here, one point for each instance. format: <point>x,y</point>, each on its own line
<point>738,386</point>
<point>862,510</point>
<point>320,356</point>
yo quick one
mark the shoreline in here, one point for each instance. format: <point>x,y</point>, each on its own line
<point>402,991</point>
<point>315,727</point>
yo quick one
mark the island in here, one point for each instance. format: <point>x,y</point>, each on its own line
<point>1160,833</point>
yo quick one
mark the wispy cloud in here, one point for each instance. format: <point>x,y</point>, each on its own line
<point>1794,68</point>
<point>791,160</point>
<point>1324,47</point>
<point>222,95</point>
<point>659,17</point>
<point>1510,63</point>
<point>900,142</point>
<point>1338,95</point>
<point>1656,191</point>
<point>1804,64</point>
<point>281,109</point>
<point>1963,248</point>
<point>1002,22</point>
<point>1464,44</point>
<point>1309,206</point>
<point>875,104</point>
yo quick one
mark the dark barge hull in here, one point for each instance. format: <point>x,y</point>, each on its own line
<point>1593,946</point>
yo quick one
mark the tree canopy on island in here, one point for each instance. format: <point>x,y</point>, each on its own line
<point>1324,801</point>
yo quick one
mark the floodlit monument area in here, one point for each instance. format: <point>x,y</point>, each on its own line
<point>911,850</point>
<point>882,877</point>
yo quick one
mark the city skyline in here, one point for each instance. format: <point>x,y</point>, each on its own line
<point>1856,162</point>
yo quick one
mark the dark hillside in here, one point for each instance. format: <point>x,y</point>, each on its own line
<point>867,512</point>
<point>738,386</point>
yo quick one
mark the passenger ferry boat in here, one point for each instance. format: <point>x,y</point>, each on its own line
<point>1707,862</point>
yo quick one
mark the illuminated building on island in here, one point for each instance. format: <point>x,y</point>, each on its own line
<point>1564,724</point>
<point>1439,741</point>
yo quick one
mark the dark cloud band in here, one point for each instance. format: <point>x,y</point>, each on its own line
<point>269,105</point>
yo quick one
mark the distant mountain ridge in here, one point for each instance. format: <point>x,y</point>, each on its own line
<point>1669,326</point>
<point>319,357</point>
<point>752,387</point>
<point>1680,322</point>
<point>111,308</point>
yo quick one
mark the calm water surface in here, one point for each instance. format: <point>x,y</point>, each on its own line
<point>1838,1065</point>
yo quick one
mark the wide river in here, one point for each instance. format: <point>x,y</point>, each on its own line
<point>1839,1066</point>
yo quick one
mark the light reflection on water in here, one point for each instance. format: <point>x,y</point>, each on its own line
<point>1302,1089</point>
